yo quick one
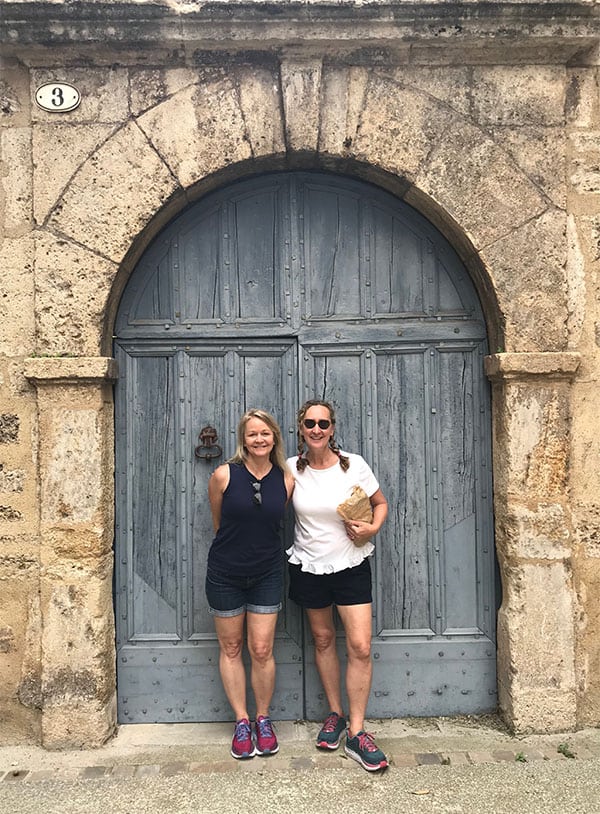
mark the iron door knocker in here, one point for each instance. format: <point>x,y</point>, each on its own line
<point>208,447</point>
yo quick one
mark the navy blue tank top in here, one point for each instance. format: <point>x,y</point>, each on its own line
<point>248,540</point>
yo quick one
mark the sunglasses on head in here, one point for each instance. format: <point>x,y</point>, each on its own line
<point>256,497</point>
<point>323,423</point>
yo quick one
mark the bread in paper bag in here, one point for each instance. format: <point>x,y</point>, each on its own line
<point>356,507</point>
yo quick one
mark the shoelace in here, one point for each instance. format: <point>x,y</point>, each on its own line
<point>366,742</point>
<point>242,731</point>
<point>265,728</point>
<point>330,723</point>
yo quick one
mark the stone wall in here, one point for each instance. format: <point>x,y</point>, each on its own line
<point>487,124</point>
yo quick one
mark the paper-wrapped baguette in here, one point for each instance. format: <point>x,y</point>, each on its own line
<point>356,507</point>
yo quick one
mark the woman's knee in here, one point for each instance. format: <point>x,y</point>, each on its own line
<point>324,639</point>
<point>260,651</point>
<point>231,648</point>
<point>360,650</point>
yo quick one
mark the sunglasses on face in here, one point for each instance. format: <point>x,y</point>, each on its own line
<point>256,497</point>
<point>309,423</point>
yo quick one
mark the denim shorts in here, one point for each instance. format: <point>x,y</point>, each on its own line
<point>352,586</point>
<point>230,596</point>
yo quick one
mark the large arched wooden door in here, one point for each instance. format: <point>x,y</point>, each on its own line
<point>276,289</point>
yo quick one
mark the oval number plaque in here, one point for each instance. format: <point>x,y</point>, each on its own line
<point>57,97</point>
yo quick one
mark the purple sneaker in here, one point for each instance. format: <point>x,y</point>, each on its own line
<point>266,740</point>
<point>242,745</point>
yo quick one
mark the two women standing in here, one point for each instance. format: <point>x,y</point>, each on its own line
<point>329,567</point>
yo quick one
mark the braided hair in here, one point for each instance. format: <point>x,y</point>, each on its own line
<point>302,462</point>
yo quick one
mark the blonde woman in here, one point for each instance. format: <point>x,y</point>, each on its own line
<point>244,578</point>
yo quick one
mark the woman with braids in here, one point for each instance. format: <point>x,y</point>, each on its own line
<point>329,565</point>
<point>244,576</point>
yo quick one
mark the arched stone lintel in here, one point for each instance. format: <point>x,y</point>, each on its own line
<point>501,367</point>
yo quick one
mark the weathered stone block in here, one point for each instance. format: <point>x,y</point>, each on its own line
<point>529,269</point>
<point>78,673</point>
<point>16,296</point>
<point>489,205</point>
<point>210,130</point>
<point>584,170</point>
<point>451,85</point>
<point>149,87</point>
<point>60,149</point>
<point>540,154</point>
<point>15,179</point>
<point>301,87</point>
<point>398,127</point>
<point>540,532</point>
<point>9,428</point>
<point>14,94</point>
<point>519,95</point>
<point>86,724</point>
<point>582,98</point>
<point>72,484</point>
<point>342,94</point>
<point>11,480</point>
<point>114,194</point>
<point>260,102</point>
<point>535,443</point>
<point>536,641</point>
<point>72,289</point>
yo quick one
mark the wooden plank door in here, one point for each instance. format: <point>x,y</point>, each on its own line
<point>276,289</point>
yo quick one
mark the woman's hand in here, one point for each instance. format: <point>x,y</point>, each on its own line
<point>359,532</point>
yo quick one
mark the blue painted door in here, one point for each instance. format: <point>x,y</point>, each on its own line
<point>276,289</point>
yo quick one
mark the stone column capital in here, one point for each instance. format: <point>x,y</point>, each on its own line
<point>70,370</point>
<point>501,367</point>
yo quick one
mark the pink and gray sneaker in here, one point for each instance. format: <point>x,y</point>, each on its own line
<point>266,740</point>
<point>242,745</point>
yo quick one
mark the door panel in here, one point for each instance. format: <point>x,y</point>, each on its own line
<point>273,290</point>
<point>168,654</point>
<point>428,577</point>
<point>400,416</point>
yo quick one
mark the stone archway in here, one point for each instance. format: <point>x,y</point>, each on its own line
<point>302,113</point>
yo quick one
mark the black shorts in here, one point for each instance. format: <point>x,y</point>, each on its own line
<point>352,586</point>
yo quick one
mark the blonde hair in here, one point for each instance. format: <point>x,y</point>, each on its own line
<point>277,457</point>
<point>302,463</point>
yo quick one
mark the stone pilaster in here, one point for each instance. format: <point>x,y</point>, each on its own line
<point>536,630</point>
<point>75,437</point>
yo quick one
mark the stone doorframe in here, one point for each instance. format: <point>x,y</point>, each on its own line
<point>536,643</point>
<point>299,113</point>
<point>76,465</point>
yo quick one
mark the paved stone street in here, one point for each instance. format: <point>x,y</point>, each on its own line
<point>467,765</point>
